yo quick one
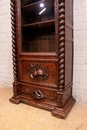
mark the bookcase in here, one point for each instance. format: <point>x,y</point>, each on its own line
<point>42,47</point>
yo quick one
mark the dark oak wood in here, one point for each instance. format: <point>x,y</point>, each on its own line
<point>42,45</point>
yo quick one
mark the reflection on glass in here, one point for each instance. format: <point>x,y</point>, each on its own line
<point>41,5</point>
<point>42,11</point>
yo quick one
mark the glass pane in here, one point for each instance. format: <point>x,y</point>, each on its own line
<point>38,27</point>
<point>39,39</point>
<point>37,12</point>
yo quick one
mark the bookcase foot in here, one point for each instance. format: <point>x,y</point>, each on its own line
<point>62,112</point>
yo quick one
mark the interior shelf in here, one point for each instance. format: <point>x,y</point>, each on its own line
<point>32,4</point>
<point>42,24</point>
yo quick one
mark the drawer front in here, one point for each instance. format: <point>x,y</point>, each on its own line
<point>39,72</point>
<point>39,93</point>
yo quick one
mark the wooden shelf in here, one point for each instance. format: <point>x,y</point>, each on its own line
<point>32,4</point>
<point>44,23</point>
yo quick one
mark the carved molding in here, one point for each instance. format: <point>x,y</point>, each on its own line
<point>38,72</point>
<point>61,45</point>
<point>14,53</point>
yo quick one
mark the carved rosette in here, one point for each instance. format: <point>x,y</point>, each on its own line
<point>61,44</point>
<point>36,71</point>
<point>13,23</point>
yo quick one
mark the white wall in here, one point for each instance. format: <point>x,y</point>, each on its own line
<point>6,77</point>
<point>80,48</point>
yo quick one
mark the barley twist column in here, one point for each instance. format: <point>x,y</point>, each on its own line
<point>61,44</point>
<point>13,23</point>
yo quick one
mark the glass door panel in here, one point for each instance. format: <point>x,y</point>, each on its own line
<point>38,26</point>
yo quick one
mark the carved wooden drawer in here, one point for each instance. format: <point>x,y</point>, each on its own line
<point>39,72</point>
<point>39,94</point>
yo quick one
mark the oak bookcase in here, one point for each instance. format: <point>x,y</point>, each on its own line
<point>42,42</point>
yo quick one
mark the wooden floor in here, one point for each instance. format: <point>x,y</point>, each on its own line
<point>24,117</point>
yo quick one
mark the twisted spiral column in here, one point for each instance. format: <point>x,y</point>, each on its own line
<point>14,53</point>
<point>61,44</point>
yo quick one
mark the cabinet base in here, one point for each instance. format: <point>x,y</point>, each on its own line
<point>15,100</point>
<point>58,112</point>
<point>62,112</point>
